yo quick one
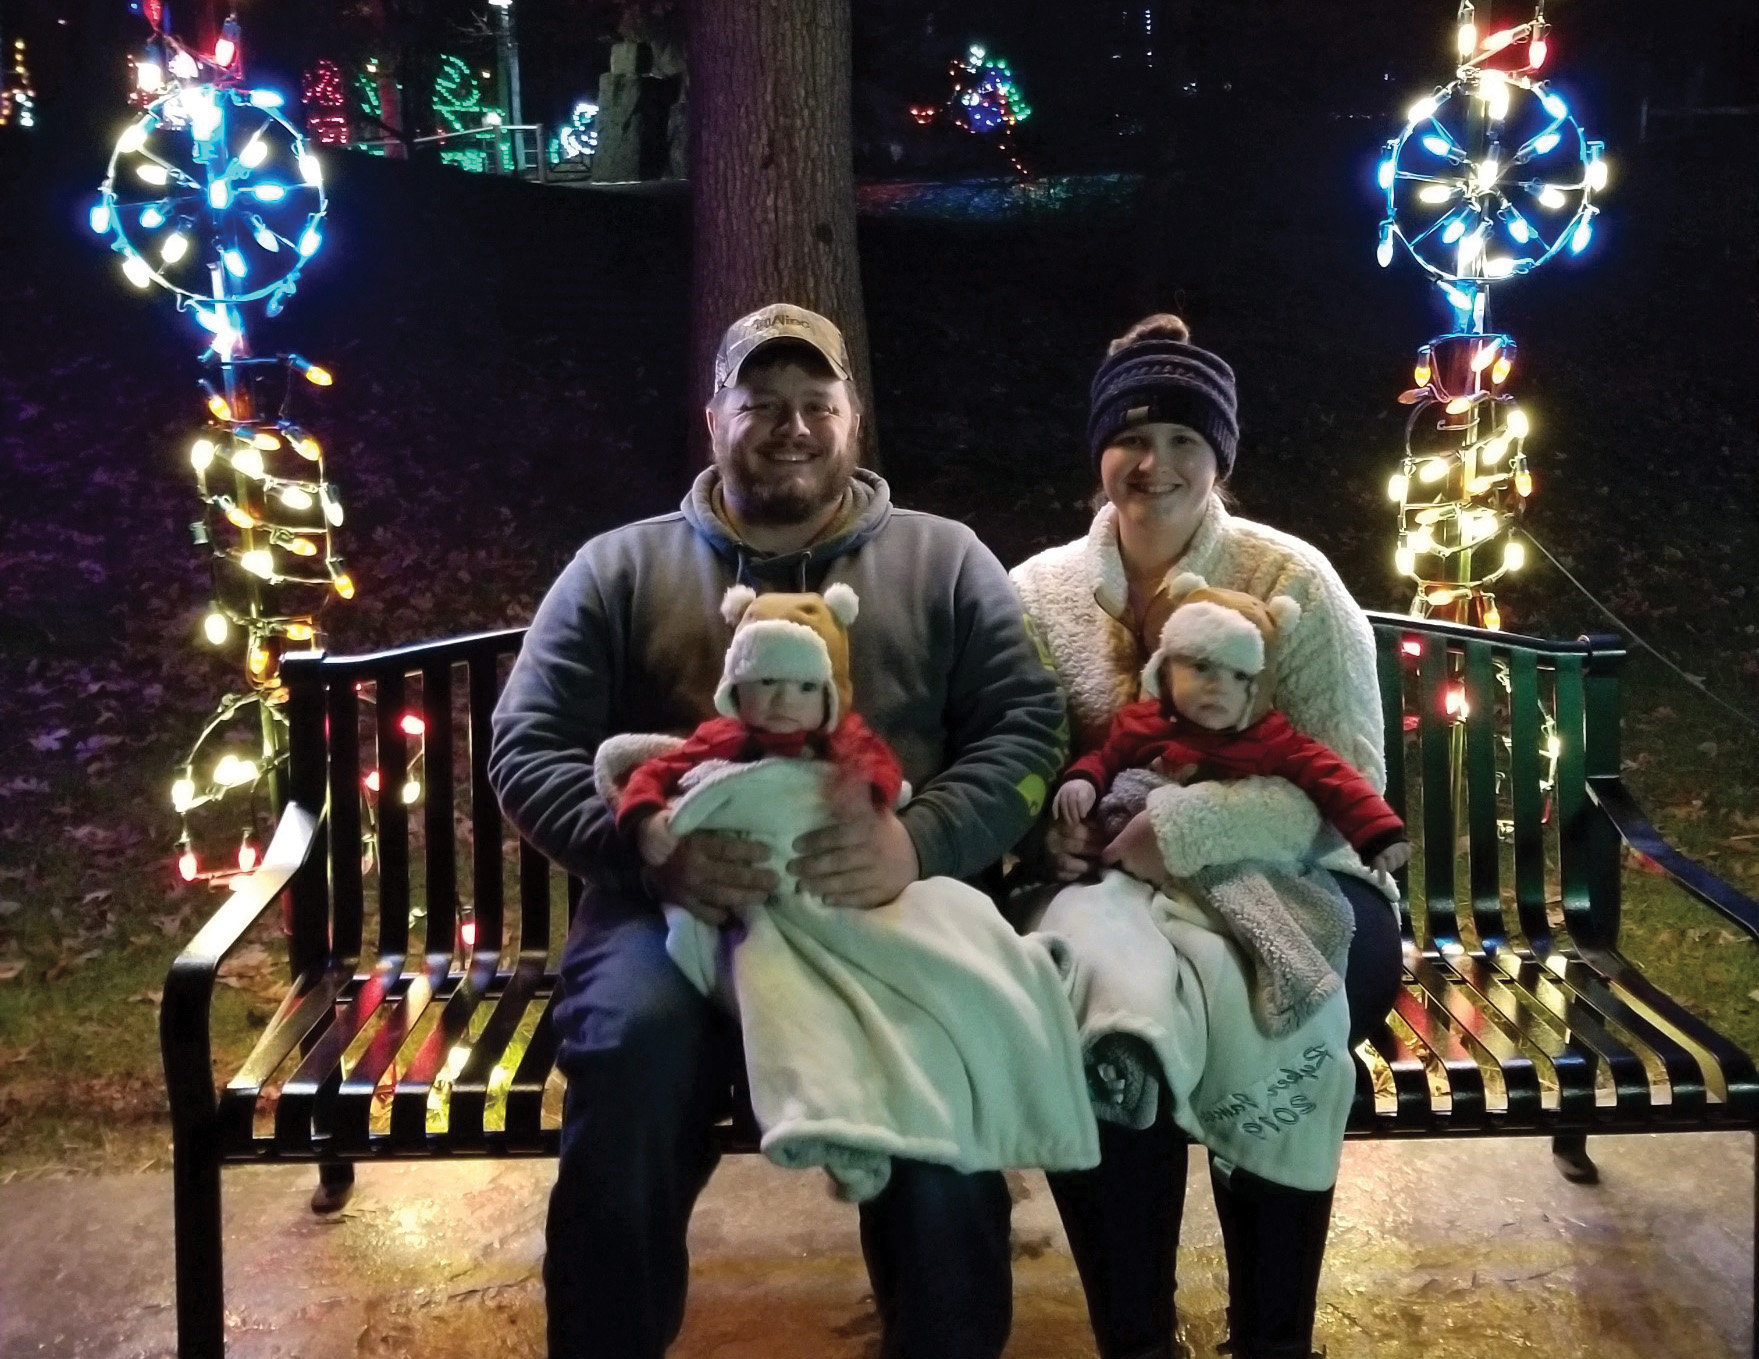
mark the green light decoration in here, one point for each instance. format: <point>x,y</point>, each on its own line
<point>459,106</point>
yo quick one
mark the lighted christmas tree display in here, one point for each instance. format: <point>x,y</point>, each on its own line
<point>214,196</point>
<point>1490,178</point>
<point>986,102</point>
<point>578,139</point>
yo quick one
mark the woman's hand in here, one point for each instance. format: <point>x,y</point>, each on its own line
<point>1136,851</point>
<point>1071,850</point>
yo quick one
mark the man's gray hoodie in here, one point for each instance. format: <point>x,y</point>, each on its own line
<point>630,638</point>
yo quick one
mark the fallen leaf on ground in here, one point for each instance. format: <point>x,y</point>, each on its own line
<point>10,968</point>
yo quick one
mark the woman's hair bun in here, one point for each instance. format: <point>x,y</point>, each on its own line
<point>1163,325</point>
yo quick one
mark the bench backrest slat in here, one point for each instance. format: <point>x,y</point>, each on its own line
<point>1505,832</point>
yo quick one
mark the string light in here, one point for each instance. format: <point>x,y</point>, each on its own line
<point>986,101</point>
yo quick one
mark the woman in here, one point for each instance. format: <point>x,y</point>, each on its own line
<point>1162,431</point>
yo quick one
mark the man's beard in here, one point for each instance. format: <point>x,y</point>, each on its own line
<point>788,500</point>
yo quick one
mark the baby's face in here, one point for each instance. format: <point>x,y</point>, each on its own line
<point>1213,696</point>
<point>781,705</point>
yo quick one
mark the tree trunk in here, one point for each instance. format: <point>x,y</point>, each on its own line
<point>771,175</point>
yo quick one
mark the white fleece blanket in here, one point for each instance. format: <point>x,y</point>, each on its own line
<point>1158,968</point>
<point>925,1028</point>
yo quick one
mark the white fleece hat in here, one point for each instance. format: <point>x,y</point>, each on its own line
<point>803,637</point>
<point>1230,628</point>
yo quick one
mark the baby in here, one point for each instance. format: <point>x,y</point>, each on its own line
<point>784,691</point>
<point>1208,714</point>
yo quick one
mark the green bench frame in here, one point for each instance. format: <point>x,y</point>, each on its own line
<point>1518,1015</point>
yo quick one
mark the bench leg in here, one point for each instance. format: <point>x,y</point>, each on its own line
<point>1570,1152</point>
<point>335,1186</point>
<point>201,1276</point>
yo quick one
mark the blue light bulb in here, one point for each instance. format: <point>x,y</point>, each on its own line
<point>1453,230</point>
<point>309,243</point>
<point>1519,229</point>
<point>1555,106</point>
<point>1439,146</point>
<point>265,99</point>
<point>99,218</point>
<point>1545,143</point>
<point>1580,237</point>
<point>234,263</point>
<point>219,194</point>
<point>1386,174</point>
<point>151,217</point>
<point>270,193</point>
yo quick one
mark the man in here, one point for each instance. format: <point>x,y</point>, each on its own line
<point>628,639</point>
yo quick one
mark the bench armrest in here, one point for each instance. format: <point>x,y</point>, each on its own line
<point>1637,831</point>
<point>184,1038</point>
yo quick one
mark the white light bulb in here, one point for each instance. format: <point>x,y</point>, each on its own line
<point>153,174</point>
<point>234,263</point>
<point>183,66</point>
<point>99,218</point>
<point>1453,231</point>
<point>1405,561</point>
<point>151,218</point>
<point>1466,40</point>
<point>201,454</point>
<point>310,241</point>
<point>1423,109</point>
<point>1580,237</point>
<point>1519,229</point>
<point>1397,486</point>
<point>1423,541</point>
<point>255,151</point>
<point>332,509</point>
<point>1499,266</point>
<point>1597,175</point>
<point>1517,424</point>
<point>1437,146</point>
<point>258,562</point>
<point>1469,249</point>
<point>411,792</point>
<point>1385,174</point>
<point>132,139</point>
<point>296,498</point>
<point>1514,555</point>
<point>1435,193</point>
<point>176,246</point>
<point>219,194</point>
<point>1554,106</point>
<point>1433,470</point>
<point>1550,196</point>
<point>136,270</point>
<point>259,229</point>
<point>182,794</point>
<point>1383,253</point>
<point>1494,450</point>
<point>265,99</point>
<point>148,76</point>
<point>1488,170</point>
<point>247,461</point>
<point>310,171</point>
<point>270,193</point>
<point>1545,143</point>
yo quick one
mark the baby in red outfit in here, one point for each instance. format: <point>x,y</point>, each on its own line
<point>784,691</point>
<point>1208,715</point>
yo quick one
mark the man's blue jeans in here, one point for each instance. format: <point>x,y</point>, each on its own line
<point>650,1066</point>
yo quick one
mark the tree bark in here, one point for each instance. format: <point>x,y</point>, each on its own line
<point>772,175</point>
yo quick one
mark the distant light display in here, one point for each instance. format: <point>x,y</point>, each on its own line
<point>986,101</point>
<point>18,98</point>
<point>326,104</point>
<point>578,138</point>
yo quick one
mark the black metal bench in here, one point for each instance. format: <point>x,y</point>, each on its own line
<point>1518,1015</point>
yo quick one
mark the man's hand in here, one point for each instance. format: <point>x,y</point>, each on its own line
<point>863,858</point>
<point>1136,851</point>
<point>1074,801</point>
<point>713,875</point>
<point>1392,858</point>
<point>1072,851</point>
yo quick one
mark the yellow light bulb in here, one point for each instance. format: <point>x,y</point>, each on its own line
<point>302,547</point>
<point>266,441</point>
<point>239,517</point>
<point>1499,371</point>
<point>1420,375</point>
<point>1479,485</point>
<point>319,376</point>
<point>258,660</point>
<point>258,562</point>
<point>307,447</point>
<point>300,632</point>
<point>344,585</point>
<point>218,407</point>
<point>1523,484</point>
<point>1459,405</point>
<point>1493,618</point>
<point>1514,555</point>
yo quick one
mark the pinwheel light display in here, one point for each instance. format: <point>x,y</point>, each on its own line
<point>214,196</point>
<point>1490,178</point>
<point>986,101</point>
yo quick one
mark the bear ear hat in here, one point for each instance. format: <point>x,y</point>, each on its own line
<point>735,602</point>
<point>843,603</point>
<point>1186,582</point>
<point>1284,612</point>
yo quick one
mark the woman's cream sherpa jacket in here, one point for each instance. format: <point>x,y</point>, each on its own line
<point>1324,683</point>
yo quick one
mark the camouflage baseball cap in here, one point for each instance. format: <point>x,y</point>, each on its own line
<point>778,321</point>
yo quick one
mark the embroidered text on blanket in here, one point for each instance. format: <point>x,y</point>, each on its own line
<point>1270,1117</point>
